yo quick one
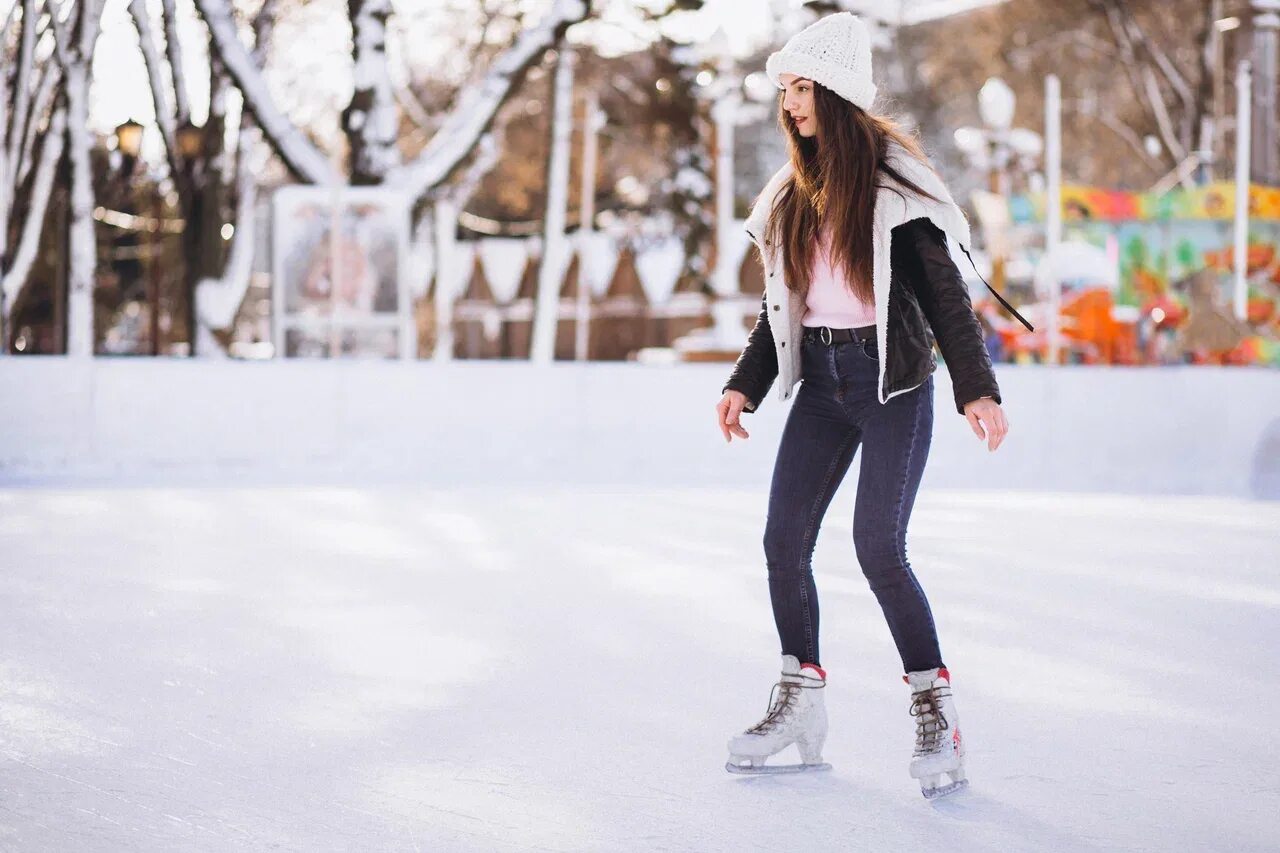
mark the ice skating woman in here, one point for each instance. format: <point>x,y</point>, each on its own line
<point>858,284</point>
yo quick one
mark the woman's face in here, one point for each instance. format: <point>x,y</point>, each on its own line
<point>797,100</point>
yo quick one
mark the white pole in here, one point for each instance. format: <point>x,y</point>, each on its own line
<point>590,127</point>
<point>446,236</point>
<point>724,280</point>
<point>1053,203</point>
<point>549,273</point>
<point>81,241</point>
<point>1243,129</point>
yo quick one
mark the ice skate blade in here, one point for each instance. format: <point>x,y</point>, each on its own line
<point>934,792</point>
<point>769,769</point>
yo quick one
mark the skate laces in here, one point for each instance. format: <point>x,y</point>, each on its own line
<point>930,723</point>
<point>781,704</point>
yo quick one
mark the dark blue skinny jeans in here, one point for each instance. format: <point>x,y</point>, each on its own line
<point>834,412</point>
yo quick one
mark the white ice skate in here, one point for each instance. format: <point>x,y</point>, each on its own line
<point>939,749</point>
<point>796,715</point>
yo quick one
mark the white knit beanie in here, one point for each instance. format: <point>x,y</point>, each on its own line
<point>835,52</point>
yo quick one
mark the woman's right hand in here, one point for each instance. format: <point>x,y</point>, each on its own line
<point>727,412</point>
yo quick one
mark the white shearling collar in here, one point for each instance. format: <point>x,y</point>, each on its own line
<point>892,210</point>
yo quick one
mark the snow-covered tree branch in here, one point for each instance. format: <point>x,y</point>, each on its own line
<point>46,91</point>
<point>23,108</point>
<point>15,277</point>
<point>75,52</point>
<point>173,47</point>
<point>302,158</point>
<point>155,74</point>
<point>477,107</point>
<point>21,96</point>
<point>26,106</point>
<point>263,25</point>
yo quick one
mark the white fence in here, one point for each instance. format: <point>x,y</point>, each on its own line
<point>1185,430</point>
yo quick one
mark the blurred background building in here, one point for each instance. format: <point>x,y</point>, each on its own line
<point>588,164</point>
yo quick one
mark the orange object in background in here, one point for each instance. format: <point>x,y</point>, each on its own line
<point>1089,331</point>
<point>1259,310</point>
<point>1258,257</point>
<point>1113,342</point>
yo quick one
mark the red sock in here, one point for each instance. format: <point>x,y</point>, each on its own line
<point>822,672</point>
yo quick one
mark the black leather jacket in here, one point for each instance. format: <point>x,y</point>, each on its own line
<point>928,302</point>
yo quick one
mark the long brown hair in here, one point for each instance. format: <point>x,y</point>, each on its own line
<point>834,183</point>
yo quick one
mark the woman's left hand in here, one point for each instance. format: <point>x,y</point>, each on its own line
<point>986,413</point>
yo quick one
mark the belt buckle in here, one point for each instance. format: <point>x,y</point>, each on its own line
<point>824,335</point>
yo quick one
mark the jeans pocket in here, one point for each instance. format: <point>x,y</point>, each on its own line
<point>869,349</point>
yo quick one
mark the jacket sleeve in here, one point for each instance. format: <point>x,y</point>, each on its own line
<point>944,299</point>
<point>757,366</point>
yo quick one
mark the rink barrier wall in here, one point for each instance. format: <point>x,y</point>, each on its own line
<point>1175,430</point>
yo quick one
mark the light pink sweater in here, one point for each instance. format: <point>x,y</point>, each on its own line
<point>830,302</point>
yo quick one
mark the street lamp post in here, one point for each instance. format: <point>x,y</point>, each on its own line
<point>190,142</point>
<point>994,147</point>
<point>129,144</point>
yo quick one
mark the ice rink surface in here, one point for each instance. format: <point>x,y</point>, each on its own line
<point>398,668</point>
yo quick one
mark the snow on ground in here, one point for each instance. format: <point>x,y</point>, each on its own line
<point>402,668</point>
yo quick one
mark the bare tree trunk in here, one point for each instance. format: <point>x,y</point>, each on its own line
<point>434,248</point>
<point>546,320</point>
<point>203,241</point>
<point>1202,117</point>
<point>218,299</point>
<point>371,120</point>
<point>75,52</point>
<point>82,246</point>
<point>445,222</point>
<point>219,278</point>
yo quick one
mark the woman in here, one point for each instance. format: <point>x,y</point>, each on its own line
<point>852,235</point>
